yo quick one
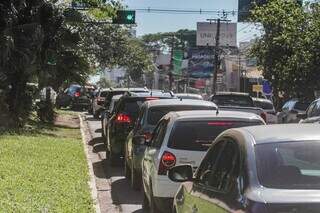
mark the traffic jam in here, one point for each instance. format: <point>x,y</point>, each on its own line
<point>229,153</point>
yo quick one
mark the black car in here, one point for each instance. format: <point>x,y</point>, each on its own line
<point>247,170</point>
<point>123,119</point>
<point>75,97</point>
<point>150,113</point>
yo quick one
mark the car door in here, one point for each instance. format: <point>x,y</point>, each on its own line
<point>219,183</point>
<point>188,199</point>
<point>135,131</point>
<point>314,116</point>
<point>150,154</point>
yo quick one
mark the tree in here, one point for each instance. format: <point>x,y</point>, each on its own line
<point>182,39</point>
<point>286,52</point>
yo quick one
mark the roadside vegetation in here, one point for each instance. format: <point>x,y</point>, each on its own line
<point>44,169</point>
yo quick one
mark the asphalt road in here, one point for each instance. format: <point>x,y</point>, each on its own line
<point>112,187</point>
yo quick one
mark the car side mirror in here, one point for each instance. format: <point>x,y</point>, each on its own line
<point>181,173</point>
<point>302,115</point>
<point>138,140</point>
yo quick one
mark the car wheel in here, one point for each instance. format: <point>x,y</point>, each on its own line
<point>127,172</point>
<point>135,179</point>
<point>114,159</point>
<point>96,115</point>
<point>152,204</point>
<point>145,203</point>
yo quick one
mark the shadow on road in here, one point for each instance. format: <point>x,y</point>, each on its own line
<point>122,193</point>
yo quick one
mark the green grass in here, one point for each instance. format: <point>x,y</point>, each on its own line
<point>44,172</point>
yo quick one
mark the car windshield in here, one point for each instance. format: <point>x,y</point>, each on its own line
<point>289,165</point>
<point>198,135</point>
<point>156,113</point>
<point>233,100</point>
<point>264,105</point>
<point>301,106</point>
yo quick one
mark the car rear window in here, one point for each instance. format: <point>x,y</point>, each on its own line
<point>301,106</point>
<point>104,94</point>
<point>233,100</point>
<point>198,135</point>
<point>156,113</point>
<point>289,165</point>
<point>264,105</point>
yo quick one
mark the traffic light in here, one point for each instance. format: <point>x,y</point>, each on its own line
<point>125,17</point>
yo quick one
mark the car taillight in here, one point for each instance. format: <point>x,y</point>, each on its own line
<point>264,116</point>
<point>77,94</point>
<point>123,118</point>
<point>147,136</point>
<point>167,161</point>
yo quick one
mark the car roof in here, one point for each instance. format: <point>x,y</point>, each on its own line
<point>116,97</point>
<point>231,93</point>
<point>129,89</point>
<point>283,133</point>
<point>148,94</point>
<point>262,100</point>
<point>202,114</point>
<point>177,102</point>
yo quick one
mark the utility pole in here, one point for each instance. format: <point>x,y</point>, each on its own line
<point>216,59</point>
<point>172,65</point>
<point>216,52</point>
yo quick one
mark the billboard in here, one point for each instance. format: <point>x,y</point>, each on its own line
<point>200,62</point>
<point>244,7</point>
<point>206,34</point>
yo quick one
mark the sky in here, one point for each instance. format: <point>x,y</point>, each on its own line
<point>155,22</point>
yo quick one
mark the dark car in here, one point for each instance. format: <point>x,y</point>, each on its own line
<point>236,101</point>
<point>291,109</point>
<point>247,170</point>
<point>105,115</point>
<point>75,97</point>
<point>98,102</point>
<point>150,113</point>
<point>122,121</point>
<point>312,115</point>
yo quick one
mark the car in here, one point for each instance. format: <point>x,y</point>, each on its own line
<point>75,97</point>
<point>312,114</point>
<point>267,106</point>
<point>247,170</point>
<point>182,138</point>
<point>290,110</point>
<point>237,101</point>
<point>122,121</point>
<point>121,91</point>
<point>150,113</point>
<point>105,115</point>
<point>189,96</point>
<point>98,102</point>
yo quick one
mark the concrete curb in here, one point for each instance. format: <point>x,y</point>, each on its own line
<point>92,181</point>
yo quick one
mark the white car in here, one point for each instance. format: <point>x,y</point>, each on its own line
<point>182,138</point>
<point>268,108</point>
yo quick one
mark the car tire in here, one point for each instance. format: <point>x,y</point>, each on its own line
<point>96,115</point>
<point>127,170</point>
<point>145,203</point>
<point>135,179</point>
<point>152,205</point>
<point>114,159</point>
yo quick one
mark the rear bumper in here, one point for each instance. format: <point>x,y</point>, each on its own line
<point>117,145</point>
<point>163,187</point>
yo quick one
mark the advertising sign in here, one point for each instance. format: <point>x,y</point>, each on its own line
<point>206,34</point>
<point>200,62</point>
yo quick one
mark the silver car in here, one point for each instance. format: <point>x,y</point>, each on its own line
<point>312,114</point>
<point>290,110</point>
